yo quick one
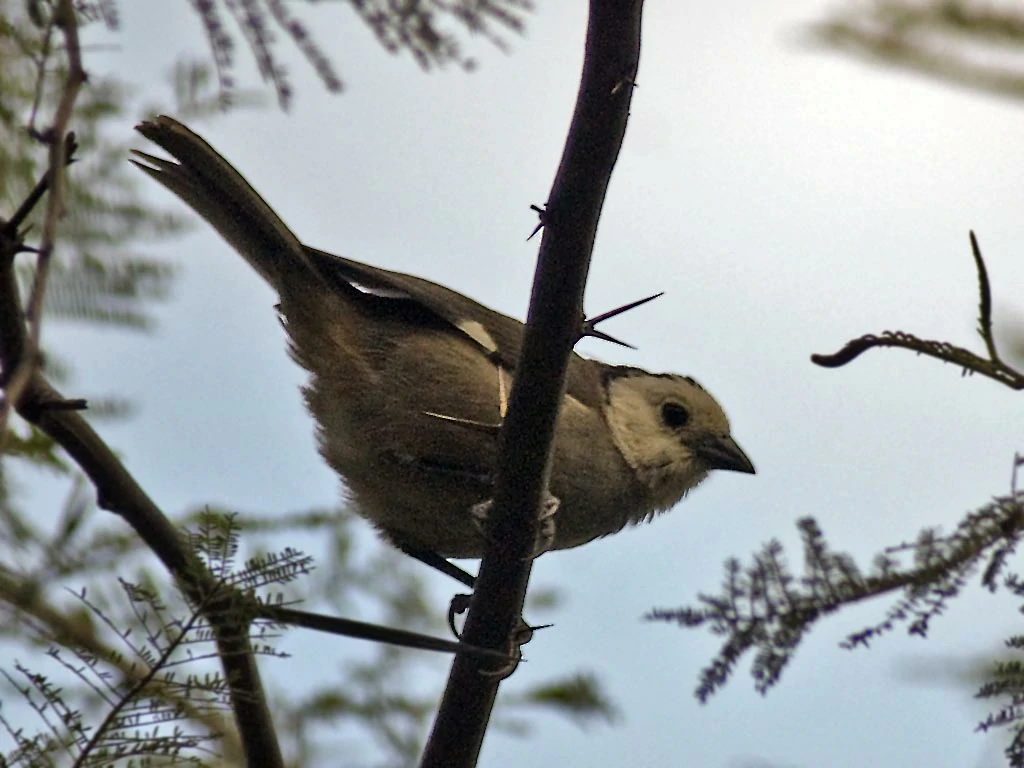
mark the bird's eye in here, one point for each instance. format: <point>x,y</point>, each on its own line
<point>674,416</point>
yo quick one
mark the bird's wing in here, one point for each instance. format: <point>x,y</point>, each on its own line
<point>218,192</point>
<point>498,335</point>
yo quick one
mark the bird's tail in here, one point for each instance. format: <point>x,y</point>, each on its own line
<point>221,195</point>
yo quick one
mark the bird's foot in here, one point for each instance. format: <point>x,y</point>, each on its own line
<point>521,635</point>
<point>546,528</point>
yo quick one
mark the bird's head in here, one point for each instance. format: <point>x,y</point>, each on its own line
<point>670,431</point>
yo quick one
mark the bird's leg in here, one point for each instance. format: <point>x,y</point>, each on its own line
<point>546,530</point>
<point>479,512</point>
<point>438,563</point>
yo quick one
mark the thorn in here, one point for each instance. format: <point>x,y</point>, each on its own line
<point>541,220</point>
<point>590,329</point>
<point>596,334</point>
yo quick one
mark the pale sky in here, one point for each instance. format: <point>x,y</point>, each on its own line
<point>785,199</point>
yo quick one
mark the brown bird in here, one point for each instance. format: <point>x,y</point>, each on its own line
<point>400,365</point>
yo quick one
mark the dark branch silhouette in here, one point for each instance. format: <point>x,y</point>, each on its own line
<point>553,328</point>
<point>992,367</point>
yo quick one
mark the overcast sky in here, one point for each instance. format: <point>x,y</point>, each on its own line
<point>785,199</point>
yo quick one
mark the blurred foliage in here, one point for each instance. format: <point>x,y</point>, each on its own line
<point>98,274</point>
<point>429,30</point>
<point>134,684</point>
<point>576,695</point>
<point>976,44</point>
<point>367,699</point>
<point>369,695</point>
<point>764,608</point>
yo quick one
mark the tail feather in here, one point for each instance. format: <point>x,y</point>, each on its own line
<point>212,187</point>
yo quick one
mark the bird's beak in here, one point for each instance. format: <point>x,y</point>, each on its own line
<point>722,452</point>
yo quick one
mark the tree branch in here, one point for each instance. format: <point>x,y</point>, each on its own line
<point>993,366</point>
<point>61,143</point>
<point>553,327</point>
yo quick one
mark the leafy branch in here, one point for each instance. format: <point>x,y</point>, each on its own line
<point>764,607</point>
<point>944,40</point>
<point>413,27</point>
<point>134,697</point>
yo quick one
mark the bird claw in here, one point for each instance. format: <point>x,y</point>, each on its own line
<point>458,606</point>
<point>546,529</point>
<point>506,669</point>
<point>521,635</point>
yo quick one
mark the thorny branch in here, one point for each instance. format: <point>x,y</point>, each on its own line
<point>570,222</point>
<point>993,366</point>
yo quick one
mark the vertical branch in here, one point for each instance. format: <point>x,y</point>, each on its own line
<point>59,140</point>
<point>553,327</point>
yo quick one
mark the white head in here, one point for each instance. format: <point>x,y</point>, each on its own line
<point>670,431</point>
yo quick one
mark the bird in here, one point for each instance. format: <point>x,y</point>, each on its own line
<point>401,368</point>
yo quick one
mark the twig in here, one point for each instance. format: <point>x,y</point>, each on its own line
<point>118,492</point>
<point>44,54</point>
<point>87,637</point>
<point>56,137</point>
<point>102,731</point>
<point>13,225</point>
<point>364,631</point>
<point>984,302</point>
<point>992,367</point>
